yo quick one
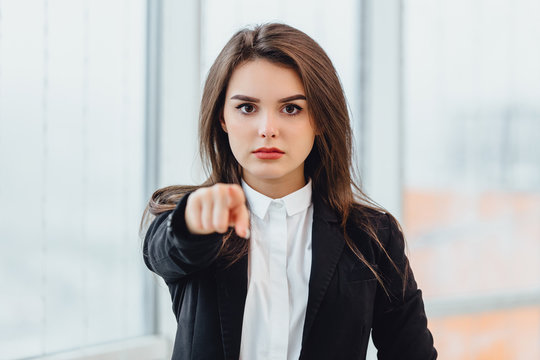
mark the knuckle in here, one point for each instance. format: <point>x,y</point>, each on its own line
<point>201,194</point>
<point>220,190</point>
<point>219,226</point>
<point>207,193</point>
<point>205,223</point>
<point>220,186</point>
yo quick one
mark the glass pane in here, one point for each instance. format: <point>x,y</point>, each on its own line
<point>71,154</point>
<point>472,172</point>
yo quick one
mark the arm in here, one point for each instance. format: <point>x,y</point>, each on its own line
<point>171,251</point>
<point>399,324</point>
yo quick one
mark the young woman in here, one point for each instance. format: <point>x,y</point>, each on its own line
<point>279,255</point>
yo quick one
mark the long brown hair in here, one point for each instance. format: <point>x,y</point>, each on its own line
<point>329,163</point>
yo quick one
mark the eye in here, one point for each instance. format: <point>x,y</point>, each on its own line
<point>292,109</point>
<point>246,108</point>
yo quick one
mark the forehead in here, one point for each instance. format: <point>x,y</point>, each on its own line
<point>264,80</point>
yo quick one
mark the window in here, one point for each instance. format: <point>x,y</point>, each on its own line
<point>71,154</point>
<point>472,172</point>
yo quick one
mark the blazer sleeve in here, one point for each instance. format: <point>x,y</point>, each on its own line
<point>399,324</point>
<point>172,252</point>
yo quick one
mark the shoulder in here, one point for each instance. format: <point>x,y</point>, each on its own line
<point>388,249</point>
<point>379,228</point>
<point>379,220</point>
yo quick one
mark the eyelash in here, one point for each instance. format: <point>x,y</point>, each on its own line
<point>297,107</point>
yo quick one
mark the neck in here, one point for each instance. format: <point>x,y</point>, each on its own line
<point>275,188</point>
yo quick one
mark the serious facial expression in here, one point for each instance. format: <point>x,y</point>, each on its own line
<point>266,118</point>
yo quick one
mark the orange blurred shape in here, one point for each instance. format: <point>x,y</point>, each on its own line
<point>508,334</point>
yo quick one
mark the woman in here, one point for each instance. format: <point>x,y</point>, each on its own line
<point>279,254</point>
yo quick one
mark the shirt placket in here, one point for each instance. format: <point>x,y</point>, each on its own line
<point>279,313</point>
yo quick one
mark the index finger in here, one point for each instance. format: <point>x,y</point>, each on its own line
<point>236,196</point>
<point>239,212</point>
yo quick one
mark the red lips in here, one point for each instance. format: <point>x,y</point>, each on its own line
<point>268,153</point>
<point>269,150</point>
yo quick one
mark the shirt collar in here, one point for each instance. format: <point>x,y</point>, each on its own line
<point>294,203</point>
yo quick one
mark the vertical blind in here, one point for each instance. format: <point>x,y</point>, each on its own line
<point>71,164</point>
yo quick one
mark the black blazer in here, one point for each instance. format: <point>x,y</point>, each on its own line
<point>345,300</point>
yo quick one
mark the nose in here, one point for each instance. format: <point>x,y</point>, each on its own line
<point>268,127</point>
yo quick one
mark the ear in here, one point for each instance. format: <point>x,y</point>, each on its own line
<point>222,122</point>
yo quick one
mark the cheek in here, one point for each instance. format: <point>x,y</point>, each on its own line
<point>306,141</point>
<point>238,137</point>
<point>308,146</point>
<point>237,131</point>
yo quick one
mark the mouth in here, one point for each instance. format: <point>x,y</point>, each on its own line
<point>269,150</point>
<point>268,153</point>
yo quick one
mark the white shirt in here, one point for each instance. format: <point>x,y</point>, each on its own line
<point>279,265</point>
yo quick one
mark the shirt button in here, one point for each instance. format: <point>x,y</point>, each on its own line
<point>278,205</point>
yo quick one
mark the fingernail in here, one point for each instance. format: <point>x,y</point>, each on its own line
<point>248,234</point>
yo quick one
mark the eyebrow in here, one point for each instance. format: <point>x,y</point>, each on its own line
<point>255,100</point>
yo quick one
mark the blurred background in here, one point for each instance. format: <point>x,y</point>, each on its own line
<point>99,105</point>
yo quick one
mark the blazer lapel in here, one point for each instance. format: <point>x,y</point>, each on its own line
<point>232,291</point>
<point>327,246</point>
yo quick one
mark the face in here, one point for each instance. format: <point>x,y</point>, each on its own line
<point>266,118</point>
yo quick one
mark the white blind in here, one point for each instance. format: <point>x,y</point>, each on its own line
<point>71,165</point>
